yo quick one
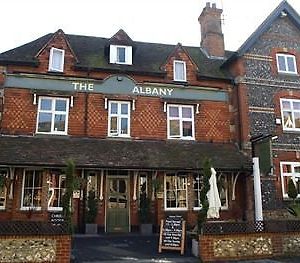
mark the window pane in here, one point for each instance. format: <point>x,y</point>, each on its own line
<point>281,63</point>
<point>286,105</point>
<point>113,124</point>
<point>187,128</point>
<point>287,168</point>
<point>46,104</point>
<point>297,119</point>
<point>60,105</point>
<point>287,119</point>
<point>174,128</point>
<point>121,54</point>
<point>291,64</point>
<point>37,193</point>
<point>28,179</point>
<point>173,111</point>
<point>57,59</point>
<point>186,112</point>
<point>124,108</point>
<point>296,105</point>
<point>27,198</point>
<point>114,108</point>
<point>38,179</point>
<point>179,71</point>
<point>297,169</point>
<point>44,122</point>
<point>59,122</point>
<point>124,126</point>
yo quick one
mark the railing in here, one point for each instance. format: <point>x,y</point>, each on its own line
<point>219,228</point>
<point>8,228</point>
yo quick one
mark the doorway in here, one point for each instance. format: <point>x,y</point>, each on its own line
<point>117,213</point>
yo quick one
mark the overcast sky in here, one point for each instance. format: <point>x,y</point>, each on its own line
<point>159,21</point>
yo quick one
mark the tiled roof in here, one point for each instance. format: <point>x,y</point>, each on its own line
<point>93,53</point>
<point>118,154</point>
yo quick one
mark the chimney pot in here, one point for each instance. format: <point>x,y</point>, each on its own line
<point>214,6</point>
<point>208,4</point>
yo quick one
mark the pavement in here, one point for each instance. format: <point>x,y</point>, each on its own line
<point>137,248</point>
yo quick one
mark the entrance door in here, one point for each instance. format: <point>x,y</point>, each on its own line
<point>117,217</point>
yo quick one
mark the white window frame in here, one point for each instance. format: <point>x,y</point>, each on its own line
<point>181,120</point>
<point>59,188</point>
<point>37,208</point>
<point>2,173</point>
<point>282,174</point>
<point>198,192</point>
<point>293,114</point>
<point>286,56</point>
<point>186,192</point>
<point>51,66</point>
<point>174,70</point>
<point>53,112</point>
<point>119,117</point>
<point>113,55</point>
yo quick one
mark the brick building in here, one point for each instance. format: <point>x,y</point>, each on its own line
<point>266,74</point>
<point>135,117</point>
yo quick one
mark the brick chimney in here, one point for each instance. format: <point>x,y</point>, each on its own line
<point>212,39</point>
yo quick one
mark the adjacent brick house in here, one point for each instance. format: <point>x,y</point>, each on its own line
<point>267,84</point>
<point>135,117</point>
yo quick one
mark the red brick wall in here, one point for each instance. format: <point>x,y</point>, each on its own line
<point>88,117</point>
<point>19,114</point>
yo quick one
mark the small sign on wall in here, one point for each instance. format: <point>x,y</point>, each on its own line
<point>76,194</point>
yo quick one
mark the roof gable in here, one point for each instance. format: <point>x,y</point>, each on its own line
<point>283,9</point>
<point>121,38</point>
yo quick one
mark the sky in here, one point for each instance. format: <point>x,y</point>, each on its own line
<point>158,21</point>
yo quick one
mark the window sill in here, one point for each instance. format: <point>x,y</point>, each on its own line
<point>181,138</point>
<point>176,209</point>
<point>289,74</point>
<point>30,209</point>
<point>55,209</point>
<point>51,133</point>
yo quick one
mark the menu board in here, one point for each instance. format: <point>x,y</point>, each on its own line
<point>172,234</point>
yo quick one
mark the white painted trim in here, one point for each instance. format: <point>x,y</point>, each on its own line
<point>119,116</point>
<point>101,184</point>
<point>234,185</point>
<point>286,56</point>
<point>135,177</point>
<point>293,114</point>
<point>282,175</point>
<point>113,54</point>
<point>176,62</point>
<point>22,207</point>
<point>62,54</point>
<point>165,194</point>
<point>180,119</point>
<point>53,112</point>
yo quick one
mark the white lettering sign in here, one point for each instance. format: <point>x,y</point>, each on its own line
<point>152,91</point>
<point>83,86</point>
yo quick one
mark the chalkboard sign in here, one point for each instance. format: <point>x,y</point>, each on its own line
<point>56,218</point>
<point>172,234</point>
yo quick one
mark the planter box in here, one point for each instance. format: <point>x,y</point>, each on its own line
<point>146,229</point>
<point>91,229</point>
<point>195,247</point>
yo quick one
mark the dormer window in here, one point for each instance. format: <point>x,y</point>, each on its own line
<point>120,55</point>
<point>56,60</point>
<point>286,63</point>
<point>179,69</point>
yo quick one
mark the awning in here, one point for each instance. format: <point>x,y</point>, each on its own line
<point>53,151</point>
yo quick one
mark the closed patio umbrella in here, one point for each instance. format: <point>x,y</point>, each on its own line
<point>213,197</point>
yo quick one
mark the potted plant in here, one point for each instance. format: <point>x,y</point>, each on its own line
<point>91,213</point>
<point>144,214</point>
